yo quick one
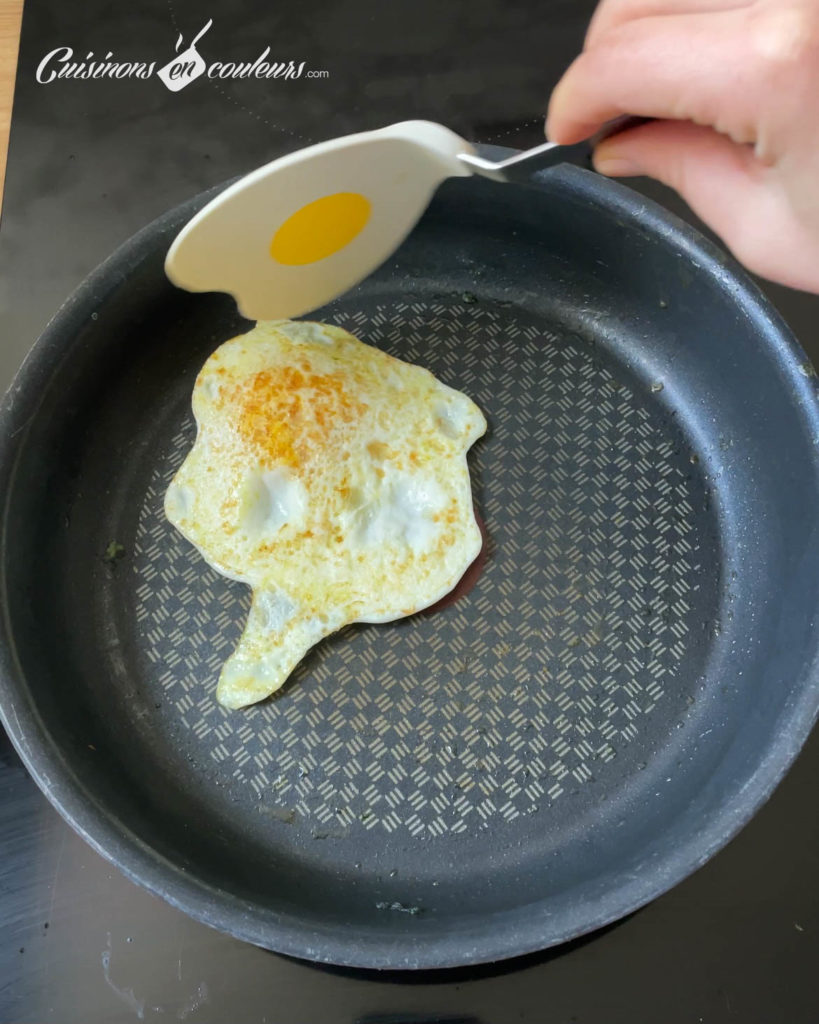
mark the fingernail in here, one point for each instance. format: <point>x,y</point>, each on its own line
<point>615,166</point>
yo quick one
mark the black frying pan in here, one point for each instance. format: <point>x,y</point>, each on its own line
<point>623,686</point>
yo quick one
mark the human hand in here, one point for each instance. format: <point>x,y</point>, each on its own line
<point>734,85</point>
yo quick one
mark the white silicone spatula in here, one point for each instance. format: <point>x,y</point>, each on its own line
<point>301,230</point>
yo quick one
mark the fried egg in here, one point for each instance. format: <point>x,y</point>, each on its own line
<point>332,479</point>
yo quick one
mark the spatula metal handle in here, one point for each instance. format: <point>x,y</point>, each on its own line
<point>522,166</point>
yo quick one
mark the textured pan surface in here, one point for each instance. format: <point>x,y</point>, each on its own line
<point>622,686</point>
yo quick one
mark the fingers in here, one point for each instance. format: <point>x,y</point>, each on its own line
<point>681,155</point>
<point>610,14</point>
<point>682,66</point>
<point>726,186</point>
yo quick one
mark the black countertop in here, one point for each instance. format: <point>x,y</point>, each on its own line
<point>91,161</point>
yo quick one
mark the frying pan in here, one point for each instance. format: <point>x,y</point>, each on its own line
<point>628,678</point>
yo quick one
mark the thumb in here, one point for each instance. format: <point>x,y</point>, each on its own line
<point>721,180</point>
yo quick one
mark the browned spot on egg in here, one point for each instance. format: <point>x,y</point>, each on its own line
<point>379,450</point>
<point>287,414</point>
<point>451,513</point>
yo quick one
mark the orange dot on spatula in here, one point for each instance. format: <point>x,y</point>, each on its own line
<point>320,228</point>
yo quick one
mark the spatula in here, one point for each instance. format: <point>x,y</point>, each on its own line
<point>296,233</point>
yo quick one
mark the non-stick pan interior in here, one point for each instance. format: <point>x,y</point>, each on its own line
<point>620,688</point>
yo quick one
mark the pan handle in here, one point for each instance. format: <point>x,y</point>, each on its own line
<point>522,166</point>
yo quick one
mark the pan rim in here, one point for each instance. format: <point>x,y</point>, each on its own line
<point>224,911</point>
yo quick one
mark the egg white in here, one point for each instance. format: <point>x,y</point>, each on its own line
<point>331,478</point>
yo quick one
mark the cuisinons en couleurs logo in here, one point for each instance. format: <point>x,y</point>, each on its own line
<point>184,67</point>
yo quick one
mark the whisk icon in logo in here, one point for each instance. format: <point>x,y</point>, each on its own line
<point>185,67</point>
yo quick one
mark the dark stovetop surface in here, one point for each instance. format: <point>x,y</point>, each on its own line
<point>92,161</point>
